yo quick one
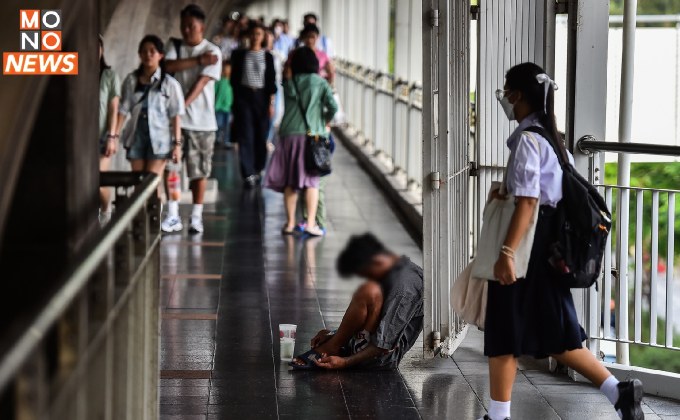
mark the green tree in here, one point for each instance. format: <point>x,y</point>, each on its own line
<point>663,176</point>
<point>648,7</point>
<point>652,357</point>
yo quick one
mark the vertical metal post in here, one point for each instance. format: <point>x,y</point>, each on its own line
<point>639,198</point>
<point>430,17</point>
<point>677,84</point>
<point>654,269</point>
<point>586,110</point>
<point>670,257</point>
<point>442,165</point>
<point>625,124</point>
<point>550,14</point>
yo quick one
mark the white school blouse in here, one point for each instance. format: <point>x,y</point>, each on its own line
<point>532,172</point>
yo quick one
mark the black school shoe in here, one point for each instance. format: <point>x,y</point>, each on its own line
<point>630,398</point>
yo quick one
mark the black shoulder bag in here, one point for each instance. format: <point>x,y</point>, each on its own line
<point>317,148</point>
<point>584,222</point>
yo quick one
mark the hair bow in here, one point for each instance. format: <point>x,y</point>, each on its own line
<point>547,82</point>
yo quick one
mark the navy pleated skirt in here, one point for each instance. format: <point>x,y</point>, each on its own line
<point>536,315</point>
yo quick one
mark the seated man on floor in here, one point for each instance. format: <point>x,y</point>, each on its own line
<point>383,320</point>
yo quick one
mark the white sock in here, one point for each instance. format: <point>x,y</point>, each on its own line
<point>610,390</point>
<point>197,211</point>
<point>173,208</point>
<point>499,410</point>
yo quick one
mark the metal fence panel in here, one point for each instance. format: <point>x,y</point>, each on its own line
<point>510,32</point>
<point>652,289</point>
<point>99,333</point>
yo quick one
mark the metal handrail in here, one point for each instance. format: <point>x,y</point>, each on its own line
<point>76,276</point>
<point>588,145</point>
<point>121,178</point>
<point>636,188</point>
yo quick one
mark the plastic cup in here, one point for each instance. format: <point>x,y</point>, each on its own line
<point>287,338</point>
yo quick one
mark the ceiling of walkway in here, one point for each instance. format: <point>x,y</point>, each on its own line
<point>132,19</point>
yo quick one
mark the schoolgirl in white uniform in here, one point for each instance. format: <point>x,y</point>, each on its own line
<point>535,315</point>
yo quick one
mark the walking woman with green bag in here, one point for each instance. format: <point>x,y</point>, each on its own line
<point>304,92</point>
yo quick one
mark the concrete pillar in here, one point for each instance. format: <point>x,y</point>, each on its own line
<point>415,70</point>
<point>401,38</point>
<point>586,110</point>
<point>382,35</point>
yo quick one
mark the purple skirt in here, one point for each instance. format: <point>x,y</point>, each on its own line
<point>287,166</point>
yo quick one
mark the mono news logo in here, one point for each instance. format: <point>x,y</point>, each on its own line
<point>40,44</point>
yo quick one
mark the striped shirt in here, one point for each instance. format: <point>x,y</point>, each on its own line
<point>253,69</point>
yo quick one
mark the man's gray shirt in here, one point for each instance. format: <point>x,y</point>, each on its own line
<point>401,318</point>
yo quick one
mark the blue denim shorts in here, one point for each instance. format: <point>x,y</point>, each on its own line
<point>141,148</point>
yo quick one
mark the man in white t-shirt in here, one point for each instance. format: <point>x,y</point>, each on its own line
<point>323,43</point>
<point>196,64</point>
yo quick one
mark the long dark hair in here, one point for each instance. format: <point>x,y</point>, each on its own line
<point>102,62</point>
<point>522,77</point>
<point>158,44</point>
<point>303,60</point>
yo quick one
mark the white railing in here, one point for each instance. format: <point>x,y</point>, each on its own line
<point>641,289</point>
<point>386,115</point>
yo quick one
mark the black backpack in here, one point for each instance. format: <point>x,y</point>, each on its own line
<point>177,43</point>
<point>584,223</point>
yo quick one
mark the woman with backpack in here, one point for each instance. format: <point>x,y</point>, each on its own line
<point>309,106</point>
<point>154,102</point>
<point>535,315</point>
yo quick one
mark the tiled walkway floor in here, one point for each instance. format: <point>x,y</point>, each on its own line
<point>225,291</point>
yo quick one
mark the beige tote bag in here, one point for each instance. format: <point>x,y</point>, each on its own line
<point>468,297</point>
<point>495,222</point>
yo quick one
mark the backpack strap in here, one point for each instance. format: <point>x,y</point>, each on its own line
<point>177,43</point>
<point>504,184</point>
<point>564,163</point>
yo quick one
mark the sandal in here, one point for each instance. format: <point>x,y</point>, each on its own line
<point>309,357</point>
<point>285,231</point>
<point>301,227</point>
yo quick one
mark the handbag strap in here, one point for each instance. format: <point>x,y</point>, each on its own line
<point>147,89</point>
<point>302,108</point>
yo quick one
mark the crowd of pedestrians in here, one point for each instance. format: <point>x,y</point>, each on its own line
<point>270,95</point>
<point>245,90</point>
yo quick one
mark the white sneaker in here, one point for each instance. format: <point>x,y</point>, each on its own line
<point>196,225</point>
<point>172,224</point>
<point>104,217</point>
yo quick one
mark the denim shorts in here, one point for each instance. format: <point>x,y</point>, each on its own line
<point>141,148</point>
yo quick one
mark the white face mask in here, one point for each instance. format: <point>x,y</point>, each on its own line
<point>278,30</point>
<point>508,107</point>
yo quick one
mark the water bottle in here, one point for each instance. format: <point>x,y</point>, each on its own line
<point>173,186</point>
